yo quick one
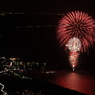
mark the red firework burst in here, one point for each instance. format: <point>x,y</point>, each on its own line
<point>77,24</point>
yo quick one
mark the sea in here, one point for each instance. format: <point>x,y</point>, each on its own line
<point>81,81</point>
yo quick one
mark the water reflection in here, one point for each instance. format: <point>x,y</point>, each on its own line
<point>82,82</point>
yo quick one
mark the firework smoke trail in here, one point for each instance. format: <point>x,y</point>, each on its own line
<point>78,25</point>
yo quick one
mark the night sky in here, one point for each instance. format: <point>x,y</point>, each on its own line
<point>39,43</point>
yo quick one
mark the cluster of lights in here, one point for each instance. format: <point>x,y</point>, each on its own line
<point>41,13</point>
<point>31,26</point>
<point>17,65</point>
<point>10,13</point>
<point>21,76</point>
<point>25,92</point>
<point>47,13</point>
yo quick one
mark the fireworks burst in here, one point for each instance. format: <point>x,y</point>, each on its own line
<point>77,24</point>
<point>76,31</point>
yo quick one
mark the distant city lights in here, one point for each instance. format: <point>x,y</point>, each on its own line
<point>41,13</point>
<point>31,26</point>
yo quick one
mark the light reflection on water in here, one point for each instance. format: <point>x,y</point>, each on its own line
<point>80,81</point>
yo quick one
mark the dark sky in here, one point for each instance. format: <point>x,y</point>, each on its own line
<point>38,44</point>
<point>47,5</point>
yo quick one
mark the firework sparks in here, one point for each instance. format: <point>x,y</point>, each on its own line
<point>74,44</point>
<point>77,24</point>
<point>76,31</point>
